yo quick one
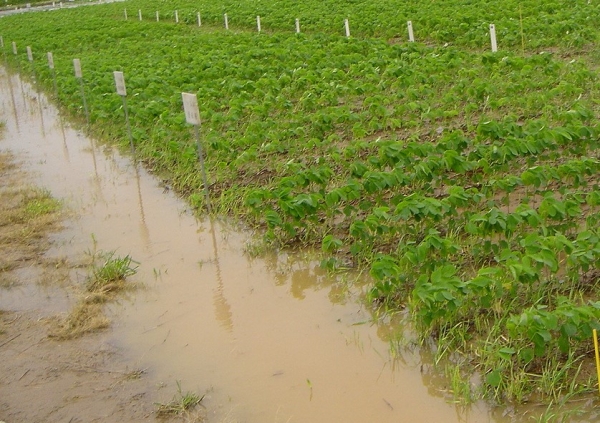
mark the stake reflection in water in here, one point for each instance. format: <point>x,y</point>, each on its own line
<point>144,231</point>
<point>222,307</point>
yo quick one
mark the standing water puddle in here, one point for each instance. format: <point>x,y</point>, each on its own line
<point>271,339</point>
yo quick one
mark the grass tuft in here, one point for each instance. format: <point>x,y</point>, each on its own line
<point>108,276</point>
<point>181,402</point>
<point>105,280</point>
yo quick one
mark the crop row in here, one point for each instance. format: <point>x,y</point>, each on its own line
<point>524,24</point>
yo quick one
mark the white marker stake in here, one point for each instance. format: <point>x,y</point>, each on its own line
<point>1,41</point>
<point>14,46</point>
<point>157,16</point>
<point>192,116</point>
<point>493,38</point>
<point>120,83</point>
<point>51,66</point>
<point>226,21</point>
<point>347,27</point>
<point>199,19</point>
<point>124,10</point>
<point>258,23</point>
<point>140,14</point>
<point>77,67</point>
<point>190,107</point>
<point>29,54</point>
<point>122,91</point>
<point>176,16</point>
<point>411,35</point>
<point>79,75</point>
<point>297,26</point>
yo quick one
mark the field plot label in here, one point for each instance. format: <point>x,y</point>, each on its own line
<point>190,107</point>
<point>176,16</point>
<point>347,27</point>
<point>140,14</point>
<point>199,19</point>
<point>50,60</point>
<point>124,12</point>
<point>77,68</point>
<point>120,83</point>
<point>14,48</point>
<point>297,26</point>
<point>29,54</point>
<point>411,35</point>
<point>226,19</point>
<point>258,23</point>
<point>493,38</point>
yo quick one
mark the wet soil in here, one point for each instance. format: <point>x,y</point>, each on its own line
<point>45,379</point>
<point>80,380</point>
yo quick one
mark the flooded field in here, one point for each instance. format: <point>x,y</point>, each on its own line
<point>270,339</point>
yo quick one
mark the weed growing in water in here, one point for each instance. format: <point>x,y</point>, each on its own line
<point>104,281</point>
<point>40,204</point>
<point>180,403</point>
<point>108,276</point>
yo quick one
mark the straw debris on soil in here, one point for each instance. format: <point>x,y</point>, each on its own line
<point>84,379</point>
<point>105,282</point>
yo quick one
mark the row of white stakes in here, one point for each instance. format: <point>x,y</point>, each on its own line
<point>409,25</point>
<point>190,103</point>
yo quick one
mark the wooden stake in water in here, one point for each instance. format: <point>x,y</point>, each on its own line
<point>411,35</point>
<point>122,91</point>
<point>140,14</point>
<point>347,27</point>
<point>597,356</point>
<point>199,19</point>
<point>51,66</point>
<point>79,75</point>
<point>192,116</point>
<point>176,16</point>
<point>258,23</point>
<point>297,26</point>
<point>493,38</point>
<point>226,21</point>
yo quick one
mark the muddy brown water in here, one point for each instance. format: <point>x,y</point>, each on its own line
<point>271,339</point>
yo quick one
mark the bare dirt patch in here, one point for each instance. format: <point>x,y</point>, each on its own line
<point>45,377</point>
